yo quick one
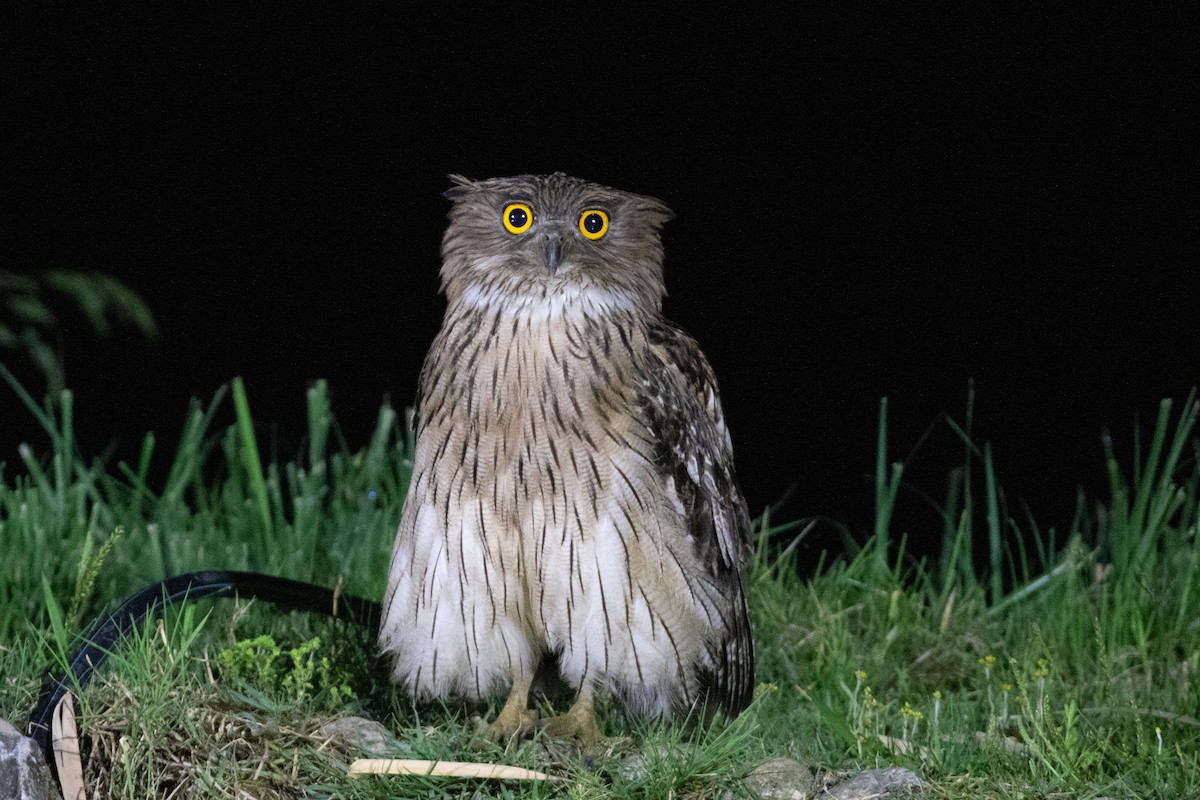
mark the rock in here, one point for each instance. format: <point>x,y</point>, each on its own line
<point>23,772</point>
<point>637,765</point>
<point>877,783</point>
<point>1003,743</point>
<point>781,779</point>
<point>365,735</point>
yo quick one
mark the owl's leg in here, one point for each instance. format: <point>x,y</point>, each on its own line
<point>515,719</point>
<point>579,723</point>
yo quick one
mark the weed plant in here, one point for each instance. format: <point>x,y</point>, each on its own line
<point>1065,665</point>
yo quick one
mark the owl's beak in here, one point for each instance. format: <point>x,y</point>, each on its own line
<point>553,245</point>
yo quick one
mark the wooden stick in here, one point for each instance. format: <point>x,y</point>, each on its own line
<point>454,769</point>
<point>65,736</point>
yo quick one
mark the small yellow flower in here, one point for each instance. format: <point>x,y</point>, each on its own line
<point>1043,668</point>
<point>988,662</point>
<point>860,675</point>
<point>911,712</point>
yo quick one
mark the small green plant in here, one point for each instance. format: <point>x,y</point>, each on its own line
<point>296,676</point>
<point>85,581</point>
<point>252,662</point>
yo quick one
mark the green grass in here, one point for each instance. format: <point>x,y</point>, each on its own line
<point>1015,663</point>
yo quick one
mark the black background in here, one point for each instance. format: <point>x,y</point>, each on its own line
<point>865,206</point>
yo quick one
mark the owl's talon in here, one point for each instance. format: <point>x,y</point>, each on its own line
<point>516,720</point>
<point>511,725</point>
<point>579,724</point>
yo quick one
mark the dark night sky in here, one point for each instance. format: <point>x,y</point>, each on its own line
<point>865,207</point>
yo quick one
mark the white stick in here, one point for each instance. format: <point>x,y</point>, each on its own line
<point>455,769</point>
<point>65,736</point>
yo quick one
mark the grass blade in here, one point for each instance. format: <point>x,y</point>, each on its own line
<point>250,459</point>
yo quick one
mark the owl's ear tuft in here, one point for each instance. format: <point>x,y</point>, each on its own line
<point>462,187</point>
<point>656,211</point>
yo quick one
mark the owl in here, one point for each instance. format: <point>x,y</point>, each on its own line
<point>573,497</point>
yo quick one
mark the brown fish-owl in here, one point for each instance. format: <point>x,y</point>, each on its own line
<point>573,494</point>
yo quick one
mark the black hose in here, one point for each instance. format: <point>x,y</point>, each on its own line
<point>100,640</point>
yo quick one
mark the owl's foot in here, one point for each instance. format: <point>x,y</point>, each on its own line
<point>510,726</point>
<point>515,721</point>
<point>579,724</point>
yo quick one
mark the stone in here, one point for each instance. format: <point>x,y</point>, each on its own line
<point>781,779</point>
<point>877,783</point>
<point>363,735</point>
<point>24,774</point>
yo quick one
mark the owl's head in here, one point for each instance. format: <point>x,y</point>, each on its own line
<point>546,240</point>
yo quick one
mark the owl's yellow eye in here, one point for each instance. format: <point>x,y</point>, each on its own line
<point>593,223</point>
<point>517,217</point>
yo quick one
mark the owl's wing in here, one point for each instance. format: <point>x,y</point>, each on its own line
<point>695,458</point>
<point>692,447</point>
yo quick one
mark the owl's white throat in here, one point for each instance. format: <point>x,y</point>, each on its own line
<point>541,303</point>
